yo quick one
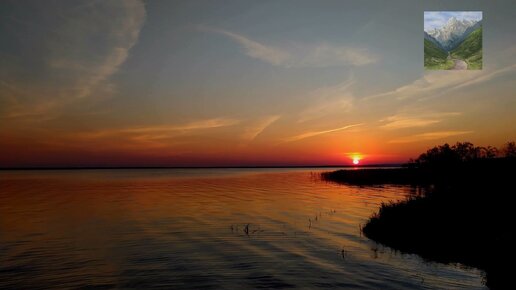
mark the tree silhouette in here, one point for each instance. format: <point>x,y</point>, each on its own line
<point>460,153</point>
<point>489,152</point>
<point>509,150</point>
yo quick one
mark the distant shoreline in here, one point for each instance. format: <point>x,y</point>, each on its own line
<point>196,167</point>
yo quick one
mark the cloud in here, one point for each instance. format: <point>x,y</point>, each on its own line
<point>301,55</point>
<point>433,19</point>
<point>317,133</point>
<point>402,121</point>
<point>163,131</point>
<point>436,83</point>
<point>437,19</point>
<point>486,77</point>
<point>69,53</point>
<point>330,99</point>
<point>327,55</point>
<point>428,136</point>
<point>428,84</point>
<point>251,132</point>
<point>154,136</point>
<point>255,49</point>
<point>468,15</point>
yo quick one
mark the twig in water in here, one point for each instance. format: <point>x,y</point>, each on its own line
<point>375,251</point>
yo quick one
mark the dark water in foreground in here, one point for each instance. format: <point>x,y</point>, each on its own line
<point>177,228</point>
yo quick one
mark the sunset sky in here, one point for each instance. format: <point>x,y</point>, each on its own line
<point>219,83</point>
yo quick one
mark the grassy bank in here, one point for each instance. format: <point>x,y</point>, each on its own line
<point>464,217</point>
<point>470,50</point>
<point>435,57</point>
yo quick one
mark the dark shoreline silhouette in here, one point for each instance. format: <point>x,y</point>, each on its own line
<point>464,214</point>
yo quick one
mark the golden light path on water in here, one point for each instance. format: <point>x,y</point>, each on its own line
<point>195,228</point>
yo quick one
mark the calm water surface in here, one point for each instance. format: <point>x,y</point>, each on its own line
<point>201,228</point>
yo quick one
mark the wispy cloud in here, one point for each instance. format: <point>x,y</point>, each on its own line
<point>302,54</point>
<point>402,121</point>
<point>428,136</point>
<point>253,131</point>
<point>327,54</point>
<point>81,51</point>
<point>317,133</point>
<point>486,77</point>
<point>163,131</point>
<point>436,83</point>
<point>329,99</point>
<point>428,84</point>
<point>255,49</point>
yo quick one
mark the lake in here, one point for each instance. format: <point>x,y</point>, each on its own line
<point>202,228</point>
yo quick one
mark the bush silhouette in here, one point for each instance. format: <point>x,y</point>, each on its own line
<point>465,214</point>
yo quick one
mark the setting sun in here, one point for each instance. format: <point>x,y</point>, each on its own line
<point>355,157</point>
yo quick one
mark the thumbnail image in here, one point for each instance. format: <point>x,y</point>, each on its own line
<point>453,40</point>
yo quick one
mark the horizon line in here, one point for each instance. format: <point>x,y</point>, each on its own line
<point>192,167</point>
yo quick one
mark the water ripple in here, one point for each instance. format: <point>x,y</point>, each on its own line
<point>203,228</point>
